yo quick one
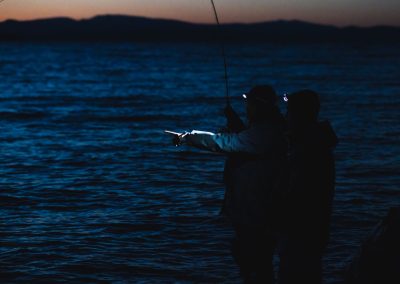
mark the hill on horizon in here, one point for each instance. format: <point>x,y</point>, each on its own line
<point>133,28</point>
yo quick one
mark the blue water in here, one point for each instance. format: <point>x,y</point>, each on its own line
<point>91,190</point>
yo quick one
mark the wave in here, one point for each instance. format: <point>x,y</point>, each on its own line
<point>23,115</point>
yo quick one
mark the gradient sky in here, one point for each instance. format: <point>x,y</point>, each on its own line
<point>336,12</point>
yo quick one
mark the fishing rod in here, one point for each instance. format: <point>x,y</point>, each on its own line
<point>223,55</point>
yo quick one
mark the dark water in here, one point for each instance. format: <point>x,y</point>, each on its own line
<point>92,191</point>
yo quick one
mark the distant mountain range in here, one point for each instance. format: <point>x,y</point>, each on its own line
<point>130,28</point>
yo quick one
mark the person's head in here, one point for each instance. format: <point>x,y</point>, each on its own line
<point>261,103</point>
<point>302,108</point>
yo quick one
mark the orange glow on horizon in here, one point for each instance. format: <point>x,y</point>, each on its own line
<point>230,11</point>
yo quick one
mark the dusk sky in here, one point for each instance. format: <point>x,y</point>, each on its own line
<point>336,12</point>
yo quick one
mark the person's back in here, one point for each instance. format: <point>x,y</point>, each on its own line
<point>256,155</point>
<point>253,177</point>
<point>312,181</point>
<point>310,192</point>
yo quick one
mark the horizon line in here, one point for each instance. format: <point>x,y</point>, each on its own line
<point>196,23</point>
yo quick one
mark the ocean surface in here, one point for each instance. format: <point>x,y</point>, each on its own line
<point>92,190</point>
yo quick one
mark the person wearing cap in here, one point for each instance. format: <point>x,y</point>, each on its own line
<point>310,190</point>
<point>259,152</point>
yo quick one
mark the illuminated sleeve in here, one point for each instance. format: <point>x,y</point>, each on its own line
<point>222,142</point>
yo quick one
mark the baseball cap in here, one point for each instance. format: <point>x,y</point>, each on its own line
<point>262,94</point>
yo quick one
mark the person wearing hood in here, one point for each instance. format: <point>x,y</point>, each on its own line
<point>310,192</point>
<point>256,155</point>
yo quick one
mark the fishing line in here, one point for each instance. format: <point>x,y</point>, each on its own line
<point>223,54</point>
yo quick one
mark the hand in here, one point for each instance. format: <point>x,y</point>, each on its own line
<point>178,139</point>
<point>228,111</point>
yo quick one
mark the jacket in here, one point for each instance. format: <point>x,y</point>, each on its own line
<point>259,152</point>
<point>311,183</point>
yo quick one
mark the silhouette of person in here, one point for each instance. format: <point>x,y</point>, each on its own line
<point>310,190</point>
<point>251,174</point>
<point>234,125</point>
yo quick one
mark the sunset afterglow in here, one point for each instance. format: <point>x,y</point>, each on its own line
<point>340,12</point>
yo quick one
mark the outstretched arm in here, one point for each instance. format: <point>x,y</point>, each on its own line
<point>220,142</point>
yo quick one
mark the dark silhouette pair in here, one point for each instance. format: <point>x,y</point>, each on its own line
<point>279,178</point>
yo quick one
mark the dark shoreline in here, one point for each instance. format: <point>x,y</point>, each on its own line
<point>117,28</point>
